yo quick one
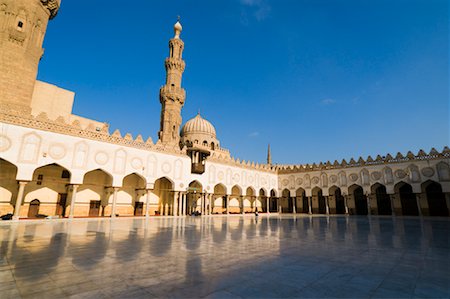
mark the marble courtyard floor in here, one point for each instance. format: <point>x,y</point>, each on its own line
<point>226,257</point>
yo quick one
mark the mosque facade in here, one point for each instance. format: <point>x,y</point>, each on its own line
<point>54,163</point>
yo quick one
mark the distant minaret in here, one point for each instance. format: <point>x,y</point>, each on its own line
<point>171,95</point>
<point>269,156</point>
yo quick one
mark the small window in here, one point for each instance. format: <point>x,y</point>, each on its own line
<point>173,84</point>
<point>65,174</point>
<point>20,24</point>
<point>39,179</point>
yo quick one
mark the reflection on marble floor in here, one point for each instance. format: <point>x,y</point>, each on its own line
<point>227,257</point>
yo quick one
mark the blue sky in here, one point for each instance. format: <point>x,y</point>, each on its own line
<point>317,79</point>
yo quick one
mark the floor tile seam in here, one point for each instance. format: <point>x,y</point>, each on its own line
<point>373,292</point>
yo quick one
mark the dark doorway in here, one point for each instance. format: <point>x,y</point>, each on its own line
<point>305,204</point>
<point>360,201</point>
<point>408,200</point>
<point>94,208</point>
<point>138,208</point>
<point>33,210</point>
<point>340,204</point>
<point>290,205</point>
<point>61,205</point>
<point>383,201</point>
<point>273,204</point>
<point>322,203</point>
<point>436,200</point>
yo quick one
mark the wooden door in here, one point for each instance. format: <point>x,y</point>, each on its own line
<point>34,208</point>
<point>94,208</point>
<point>138,208</point>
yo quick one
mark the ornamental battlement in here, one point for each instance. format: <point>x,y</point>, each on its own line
<point>379,160</point>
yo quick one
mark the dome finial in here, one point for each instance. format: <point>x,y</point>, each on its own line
<point>177,28</point>
<point>198,111</point>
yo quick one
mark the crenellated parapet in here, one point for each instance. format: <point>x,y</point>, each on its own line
<point>369,161</point>
<point>223,157</point>
<point>52,6</point>
<point>92,131</point>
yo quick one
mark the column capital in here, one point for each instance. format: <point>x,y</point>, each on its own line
<point>23,183</point>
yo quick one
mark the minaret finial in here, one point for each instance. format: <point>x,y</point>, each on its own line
<point>178,18</point>
<point>269,156</point>
<point>177,28</point>
<point>198,111</point>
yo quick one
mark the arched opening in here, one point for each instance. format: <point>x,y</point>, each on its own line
<point>286,202</point>
<point>163,191</point>
<point>263,199</point>
<point>359,200</point>
<point>383,199</point>
<point>33,210</point>
<point>273,201</point>
<point>435,198</point>
<point>302,201</point>
<point>407,199</point>
<point>49,186</point>
<point>250,201</point>
<point>318,201</point>
<point>8,186</point>
<point>337,201</point>
<point>94,194</point>
<point>132,196</point>
<point>213,146</point>
<point>235,199</point>
<point>194,196</point>
<point>220,199</point>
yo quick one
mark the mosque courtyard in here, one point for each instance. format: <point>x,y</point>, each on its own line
<point>226,257</point>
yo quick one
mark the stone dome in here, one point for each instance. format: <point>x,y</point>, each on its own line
<point>198,133</point>
<point>198,125</point>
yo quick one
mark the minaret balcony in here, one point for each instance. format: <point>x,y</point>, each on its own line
<point>168,89</point>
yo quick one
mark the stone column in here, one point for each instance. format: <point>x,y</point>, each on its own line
<point>72,200</point>
<point>175,204</point>
<point>147,202</point>
<point>447,199</point>
<point>294,204</point>
<point>391,199</point>
<point>345,203</point>
<point>210,206</point>
<point>267,204</point>
<point>19,199</point>
<point>114,203</point>
<point>369,207</point>
<point>242,202</point>
<point>418,204</point>
<point>228,204</point>
<point>327,205</point>
<point>310,205</point>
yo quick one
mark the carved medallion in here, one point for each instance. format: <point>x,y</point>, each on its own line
<point>428,172</point>
<point>236,177</point>
<point>376,175</point>
<point>299,181</point>
<point>5,143</point>
<point>353,177</point>
<point>166,167</point>
<point>101,158</point>
<point>136,163</point>
<point>333,179</point>
<point>285,182</point>
<point>400,174</point>
<point>57,151</point>
<point>315,180</point>
<point>181,185</point>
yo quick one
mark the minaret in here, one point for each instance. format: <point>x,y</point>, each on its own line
<point>23,24</point>
<point>269,156</point>
<point>171,95</point>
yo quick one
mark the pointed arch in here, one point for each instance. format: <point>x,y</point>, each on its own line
<point>437,205</point>
<point>407,198</point>
<point>8,183</point>
<point>384,206</point>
